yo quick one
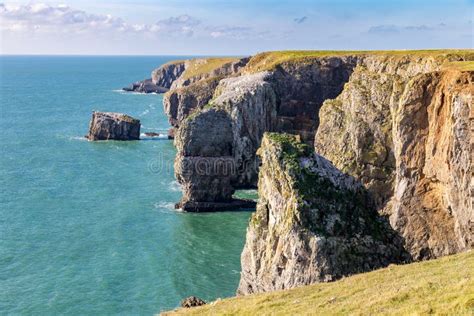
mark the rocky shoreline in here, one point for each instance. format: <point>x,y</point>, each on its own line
<point>361,159</point>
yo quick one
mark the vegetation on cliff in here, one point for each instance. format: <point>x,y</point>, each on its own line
<point>270,60</point>
<point>443,286</point>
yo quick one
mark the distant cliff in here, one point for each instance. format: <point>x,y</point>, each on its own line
<point>398,123</point>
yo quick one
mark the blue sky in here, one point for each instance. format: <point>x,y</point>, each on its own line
<point>217,27</point>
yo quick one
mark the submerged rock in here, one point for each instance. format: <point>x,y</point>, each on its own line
<point>110,125</point>
<point>313,223</point>
<point>152,134</point>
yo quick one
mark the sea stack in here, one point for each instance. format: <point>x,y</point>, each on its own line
<point>116,126</point>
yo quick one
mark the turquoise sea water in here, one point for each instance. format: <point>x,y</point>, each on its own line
<point>89,228</point>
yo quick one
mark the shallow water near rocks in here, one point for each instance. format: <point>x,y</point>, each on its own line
<point>89,228</point>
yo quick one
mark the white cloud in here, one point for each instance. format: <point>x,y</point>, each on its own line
<point>184,24</point>
<point>236,32</point>
<point>64,19</point>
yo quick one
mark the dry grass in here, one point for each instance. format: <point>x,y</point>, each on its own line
<point>460,65</point>
<point>269,60</point>
<point>444,287</point>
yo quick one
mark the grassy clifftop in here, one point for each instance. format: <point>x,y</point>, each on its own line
<point>269,60</point>
<point>442,286</point>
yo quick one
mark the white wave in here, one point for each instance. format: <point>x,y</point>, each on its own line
<point>164,204</point>
<point>81,138</point>
<point>175,186</point>
<point>132,92</point>
<point>144,112</point>
<point>161,136</point>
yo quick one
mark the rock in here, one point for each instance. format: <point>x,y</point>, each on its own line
<point>403,134</point>
<point>179,103</point>
<point>232,205</point>
<point>432,206</point>
<point>313,223</point>
<point>117,126</point>
<point>165,75</point>
<point>198,69</point>
<point>152,134</point>
<point>145,86</point>
<point>192,301</point>
<point>171,133</point>
<point>216,145</point>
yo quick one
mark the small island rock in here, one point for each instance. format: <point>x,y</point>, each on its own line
<point>110,125</point>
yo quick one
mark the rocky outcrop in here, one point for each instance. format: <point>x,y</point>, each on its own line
<point>204,68</point>
<point>116,126</point>
<point>312,224</point>
<point>161,79</point>
<point>402,128</point>
<point>192,301</point>
<point>145,86</point>
<point>165,75</point>
<point>216,146</point>
<point>179,103</point>
<point>195,88</point>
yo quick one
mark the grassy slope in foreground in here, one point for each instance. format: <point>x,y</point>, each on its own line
<point>442,286</point>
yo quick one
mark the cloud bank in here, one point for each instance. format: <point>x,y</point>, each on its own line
<point>62,18</point>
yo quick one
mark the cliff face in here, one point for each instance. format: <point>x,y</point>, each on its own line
<point>395,128</point>
<point>216,146</point>
<point>284,100</point>
<point>195,85</point>
<point>403,133</point>
<point>312,224</point>
<point>432,207</point>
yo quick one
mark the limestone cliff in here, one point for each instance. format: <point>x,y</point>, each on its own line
<point>195,86</point>
<point>312,224</point>
<point>405,135</point>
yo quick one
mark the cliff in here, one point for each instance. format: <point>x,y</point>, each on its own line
<point>409,141</point>
<point>397,125</point>
<point>313,223</point>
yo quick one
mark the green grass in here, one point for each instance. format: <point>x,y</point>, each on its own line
<point>269,60</point>
<point>444,287</point>
<point>198,67</point>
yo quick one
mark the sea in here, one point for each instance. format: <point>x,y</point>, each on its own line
<point>89,228</point>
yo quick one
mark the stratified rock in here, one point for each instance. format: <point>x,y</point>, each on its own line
<point>216,145</point>
<point>110,125</point>
<point>192,301</point>
<point>313,223</point>
<point>432,206</point>
<point>145,86</point>
<point>404,134</point>
<point>179,103</point>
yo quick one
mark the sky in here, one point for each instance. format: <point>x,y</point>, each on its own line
<point>225,27</point>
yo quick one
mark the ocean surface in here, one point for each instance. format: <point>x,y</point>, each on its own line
<point>90,228</point>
